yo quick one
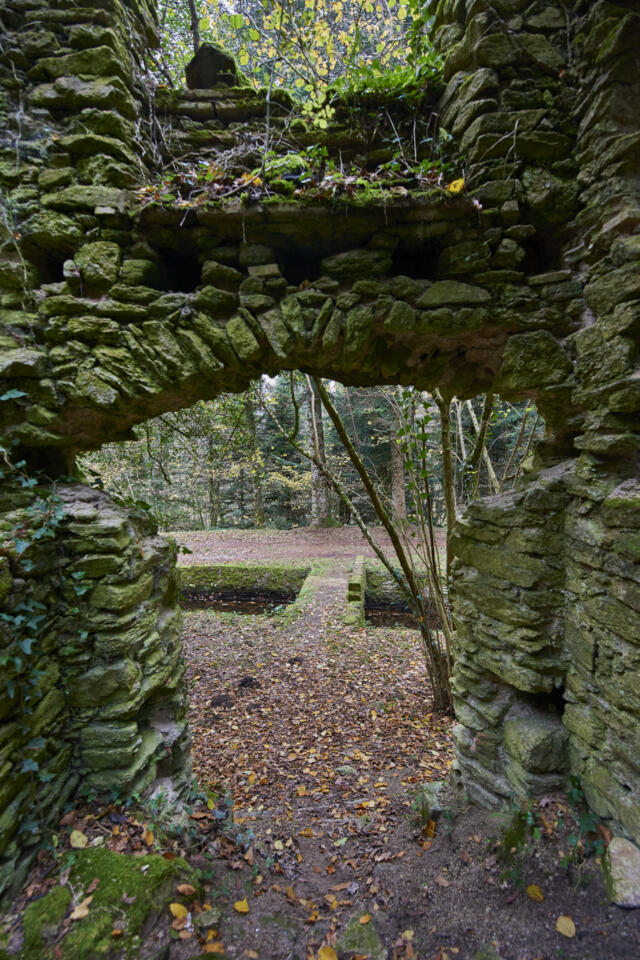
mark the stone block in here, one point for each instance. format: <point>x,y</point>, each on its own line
<point>357,264</point>
<point>211,67</point>
<point>450,292</point>
<point>242,340</point>
<point>219,303</point>
<point>221,276</point>
<point>536,740</point>
<point>531,361</point>
<point>111,681</point>
<point>621,873</point>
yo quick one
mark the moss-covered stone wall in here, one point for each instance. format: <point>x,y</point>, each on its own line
<point>281,579</point>
<point>113,310</point>
<point>547,606</point>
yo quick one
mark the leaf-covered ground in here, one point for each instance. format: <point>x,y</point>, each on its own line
<point>312,743</point>
<point>323,737</point>
<point>247,546</point>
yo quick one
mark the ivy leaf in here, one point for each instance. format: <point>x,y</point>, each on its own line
<point>29,765</point>
<point>13,395</point>
<point>25,645</point>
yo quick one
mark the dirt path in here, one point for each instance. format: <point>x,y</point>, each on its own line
<point>315,743</point>
<point>323,736</point>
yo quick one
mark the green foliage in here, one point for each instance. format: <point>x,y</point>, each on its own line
<point>29,612</point>
<point>523,831</point>
<point>584,841</point>
<point>303,45</point>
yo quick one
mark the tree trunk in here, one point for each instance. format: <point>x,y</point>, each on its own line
<point>195,28</point>
<point>213,487</point>
<point>448,482</point>
<point>398,497</point>
<point>320,507</point>
<point>256,467</point>
<point>480,448</point>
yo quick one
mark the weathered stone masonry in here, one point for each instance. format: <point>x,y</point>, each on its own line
<point>112,314</point>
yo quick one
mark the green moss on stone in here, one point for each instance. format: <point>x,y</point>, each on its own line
<point>42,919</point>
<point>149,883</point>
<point>238,579</point>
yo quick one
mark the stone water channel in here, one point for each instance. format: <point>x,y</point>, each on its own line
<point>209,588</point>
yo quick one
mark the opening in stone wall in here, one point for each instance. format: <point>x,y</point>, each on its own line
<point>186,242</point>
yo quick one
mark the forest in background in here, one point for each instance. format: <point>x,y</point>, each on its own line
<point>229,462</point>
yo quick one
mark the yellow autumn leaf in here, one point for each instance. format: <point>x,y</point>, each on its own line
<point>78,840</point>
<point>81,911</point>
<point>566,926</point>
<point>365,918</point>
<point>535,893</point>
<point>327,953</point>
<point>241,906</point>
<point>147,836</point>
<point>178,910</point>
<point>216,946</point>
<point>456,186</point>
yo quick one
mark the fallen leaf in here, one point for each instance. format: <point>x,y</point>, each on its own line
<point>241,906</point>
<point>605,833</point>
<point>147,836</point>
<point>178,909</point>
<point>456,186</point>
<point>81,911</point>
<point>128,899</point>
<point>327,953</point>
<point>441,881</point>
<point>565,926</point>
<point>216,946</point>
<point>116,933</point>
<point>186,889</point>
<point>92,886</point>
<point>535,893</point>
<point>78,839</point>
<point>365,918</point>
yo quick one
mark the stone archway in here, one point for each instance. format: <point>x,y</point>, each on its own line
<point>527,285</point>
